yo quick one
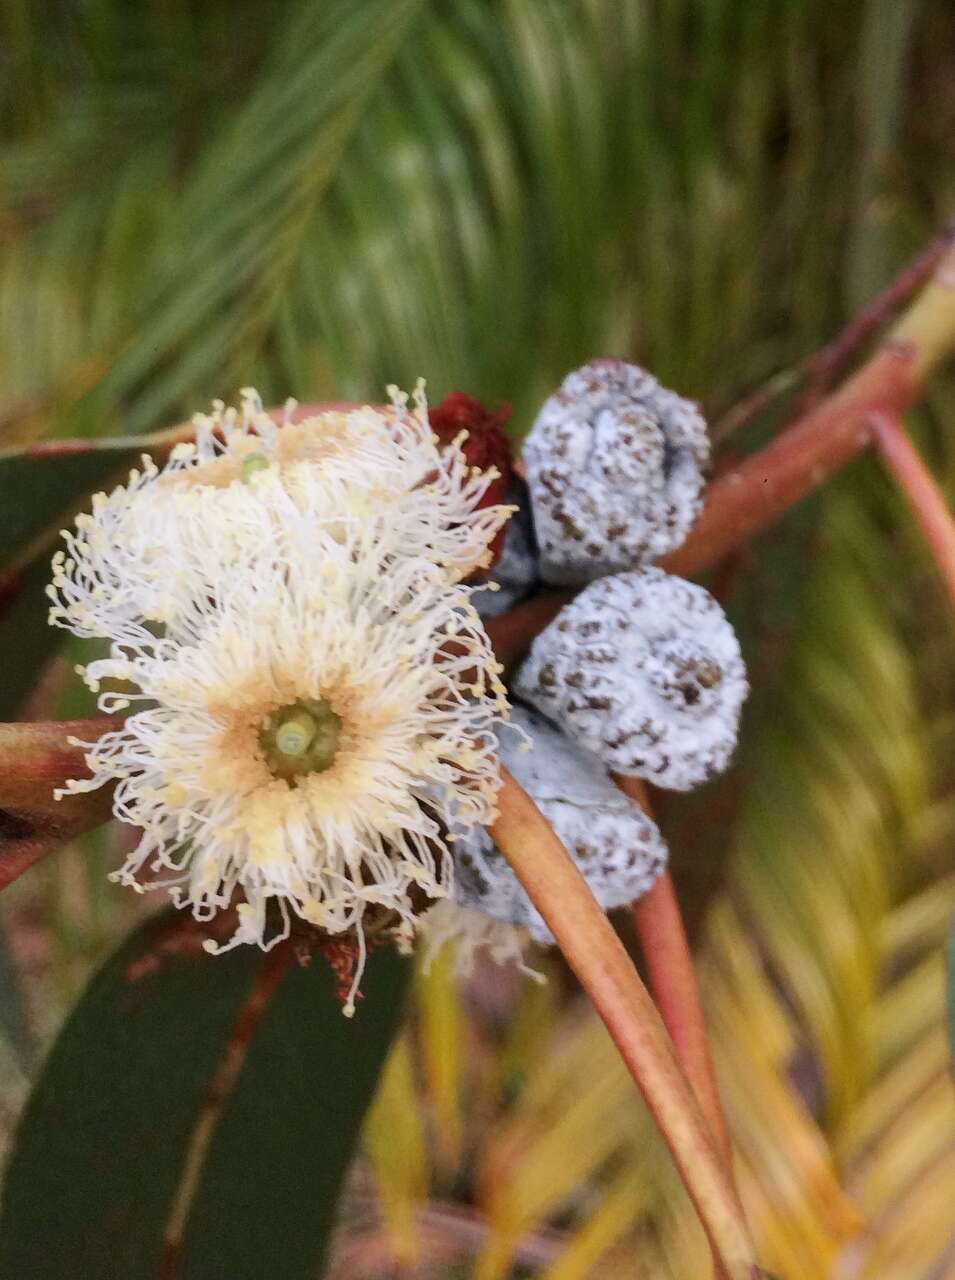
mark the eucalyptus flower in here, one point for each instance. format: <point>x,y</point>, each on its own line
<point>315,700</point>
<point>155,544</point>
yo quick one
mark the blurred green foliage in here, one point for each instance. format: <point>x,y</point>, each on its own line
<point>320,198</point>
<point>324,197</point>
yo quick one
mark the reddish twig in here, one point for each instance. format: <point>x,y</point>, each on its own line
<point>659,926</point>
<point>741,503</point>
<point>596,955</point>
<point>666,948</point>
<point>918,487</point>
<point>818,372</point>
<point>822,368</point>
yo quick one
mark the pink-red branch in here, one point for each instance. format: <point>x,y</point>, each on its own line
<point>596,955</point>
<point>666,948</point>
<point>659,926</point>
<point>818,372</point>
<point>920,491</point>
<point>745,500</point>
<point>821,369</point>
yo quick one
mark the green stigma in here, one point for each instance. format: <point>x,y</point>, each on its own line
<point>294,735</point>
<point>253,463</point>
<point>300,738</point>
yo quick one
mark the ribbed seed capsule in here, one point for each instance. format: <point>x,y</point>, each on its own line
<point>615,467</point>
<point>615,845</point>
<point>644,670</point>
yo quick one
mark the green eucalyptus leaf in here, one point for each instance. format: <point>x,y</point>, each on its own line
<point>41,484</point>
<point>950,992</point>
<point>196,1116</point>
<point>15,1023</point>
<point>27,640</point>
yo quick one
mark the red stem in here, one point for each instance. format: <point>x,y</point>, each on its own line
<point>594,952</point>
<point>818,371</point>
<point>659,924</point>
<point>920,491</point>
<point>823,367</point>
<point>745,500</point>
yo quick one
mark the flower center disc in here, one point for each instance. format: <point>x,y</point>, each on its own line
<point>300,738</point>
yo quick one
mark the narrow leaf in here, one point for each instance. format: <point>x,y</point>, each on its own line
<point>196,1115</point>
<point>950,992</point>
<point>40,484</point>
<point>27,641</point>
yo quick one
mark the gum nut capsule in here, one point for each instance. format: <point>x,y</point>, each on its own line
<point>644,670</point>
<point>615,465</point>
<point>516,571</point>
<point>615,845</point>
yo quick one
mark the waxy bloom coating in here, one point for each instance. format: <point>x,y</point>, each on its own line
<point>514,574</point>
<point>615,468</point>
<point>318,697</point>
<point>644,670</point>
<point>617,848</point>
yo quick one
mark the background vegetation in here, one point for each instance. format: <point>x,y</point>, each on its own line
<point>319,198</point>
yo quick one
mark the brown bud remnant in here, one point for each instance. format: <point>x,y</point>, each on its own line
<point>644,670</point>
<point>615,845</point>
<point>485,444</point>
<point>615,468</point>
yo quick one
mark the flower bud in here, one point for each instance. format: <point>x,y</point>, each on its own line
<point>615,845</point>
<point>615,468</point>
<point>644,670</point>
